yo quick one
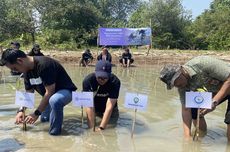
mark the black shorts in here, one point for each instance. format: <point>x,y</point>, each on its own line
<point>227,114</point>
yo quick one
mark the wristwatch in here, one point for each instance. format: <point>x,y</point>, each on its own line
<point>215,102</point>
<point>37,112</point>
<point>20,109</point>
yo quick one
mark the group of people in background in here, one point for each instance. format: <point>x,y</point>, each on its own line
<point>50,79</point>
<point>125,60</point>
<point>35,51</point>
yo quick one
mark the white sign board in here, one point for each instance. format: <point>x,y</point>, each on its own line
<point>24,99</point>
<point>198,100</point>
<point>82,99</point>
<point>136,101</point>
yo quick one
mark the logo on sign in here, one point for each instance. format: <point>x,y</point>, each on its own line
<point>198,99</point>
<point>136,100</point>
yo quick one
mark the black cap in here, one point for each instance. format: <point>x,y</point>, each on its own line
<point>103,69</point>
<point>10,56</point>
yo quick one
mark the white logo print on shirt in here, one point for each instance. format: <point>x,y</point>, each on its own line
<point>35,81</point>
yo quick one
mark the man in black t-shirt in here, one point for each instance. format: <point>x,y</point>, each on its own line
<point>49,79</point>
<point>105,86</point>
<point>126,59</point>
<point>86,58</point>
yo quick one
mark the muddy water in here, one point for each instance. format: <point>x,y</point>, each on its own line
<point>159,128</point>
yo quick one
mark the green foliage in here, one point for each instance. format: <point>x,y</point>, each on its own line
<point>168,21</point>
<point>141,17</point>
<point>212,28</point>
<point>72,24</point>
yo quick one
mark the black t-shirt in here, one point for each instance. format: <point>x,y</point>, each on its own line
<point>126,56</point>
<point>47,71</point>
<point>108,90</point>
<point>87,56</point>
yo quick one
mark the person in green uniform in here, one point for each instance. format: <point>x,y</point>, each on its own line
<point>200,72</point>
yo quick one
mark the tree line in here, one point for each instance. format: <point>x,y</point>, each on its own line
<point>74,23</point>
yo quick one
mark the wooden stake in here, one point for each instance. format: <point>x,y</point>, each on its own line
<point>94,94</point>
<point>23,117</point>
<point>134,121</point>
<point>82,119</point>
<point>94,124</point>
<point>197,131</point>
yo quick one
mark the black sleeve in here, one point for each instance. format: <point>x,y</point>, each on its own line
<point>27,83</point>
<point>41,54</point>
<point>86,86</point>
<point>83,55</point>
<point>114,92</point>
<point>130,56</point>
<point>99,57</point>
<point>123,55</point>
<point>109,57</point>
<point>48,73</point>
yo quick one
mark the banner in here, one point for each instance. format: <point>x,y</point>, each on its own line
<point>124,36</point>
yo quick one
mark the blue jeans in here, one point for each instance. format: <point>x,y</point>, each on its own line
<point>54,111</point>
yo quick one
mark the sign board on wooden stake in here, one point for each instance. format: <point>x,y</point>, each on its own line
<point>136,101</point>
<point>82,99</point>
<point>198,100</point>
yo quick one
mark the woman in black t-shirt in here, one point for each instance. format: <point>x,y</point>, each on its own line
<point>105,86</point>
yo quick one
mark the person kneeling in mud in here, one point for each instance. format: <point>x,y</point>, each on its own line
<point>126,59</point>
<point>86,58</point>
<point>49,79</point>
<point>105,86</point>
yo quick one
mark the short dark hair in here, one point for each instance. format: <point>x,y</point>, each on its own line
<point>17,44</point>
<point>127,50</point>
<point>10,56</point>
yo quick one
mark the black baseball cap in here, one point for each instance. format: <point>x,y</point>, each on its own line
<point>103,69</point>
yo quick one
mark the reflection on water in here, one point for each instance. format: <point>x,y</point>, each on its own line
<point>157,129</point>
<point>10,144</point>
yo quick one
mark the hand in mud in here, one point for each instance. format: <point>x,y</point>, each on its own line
<point>19,118</point>
<point>99,129</point>
<point>31,119</point>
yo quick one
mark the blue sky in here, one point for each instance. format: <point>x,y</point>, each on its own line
<point>196,6</point>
